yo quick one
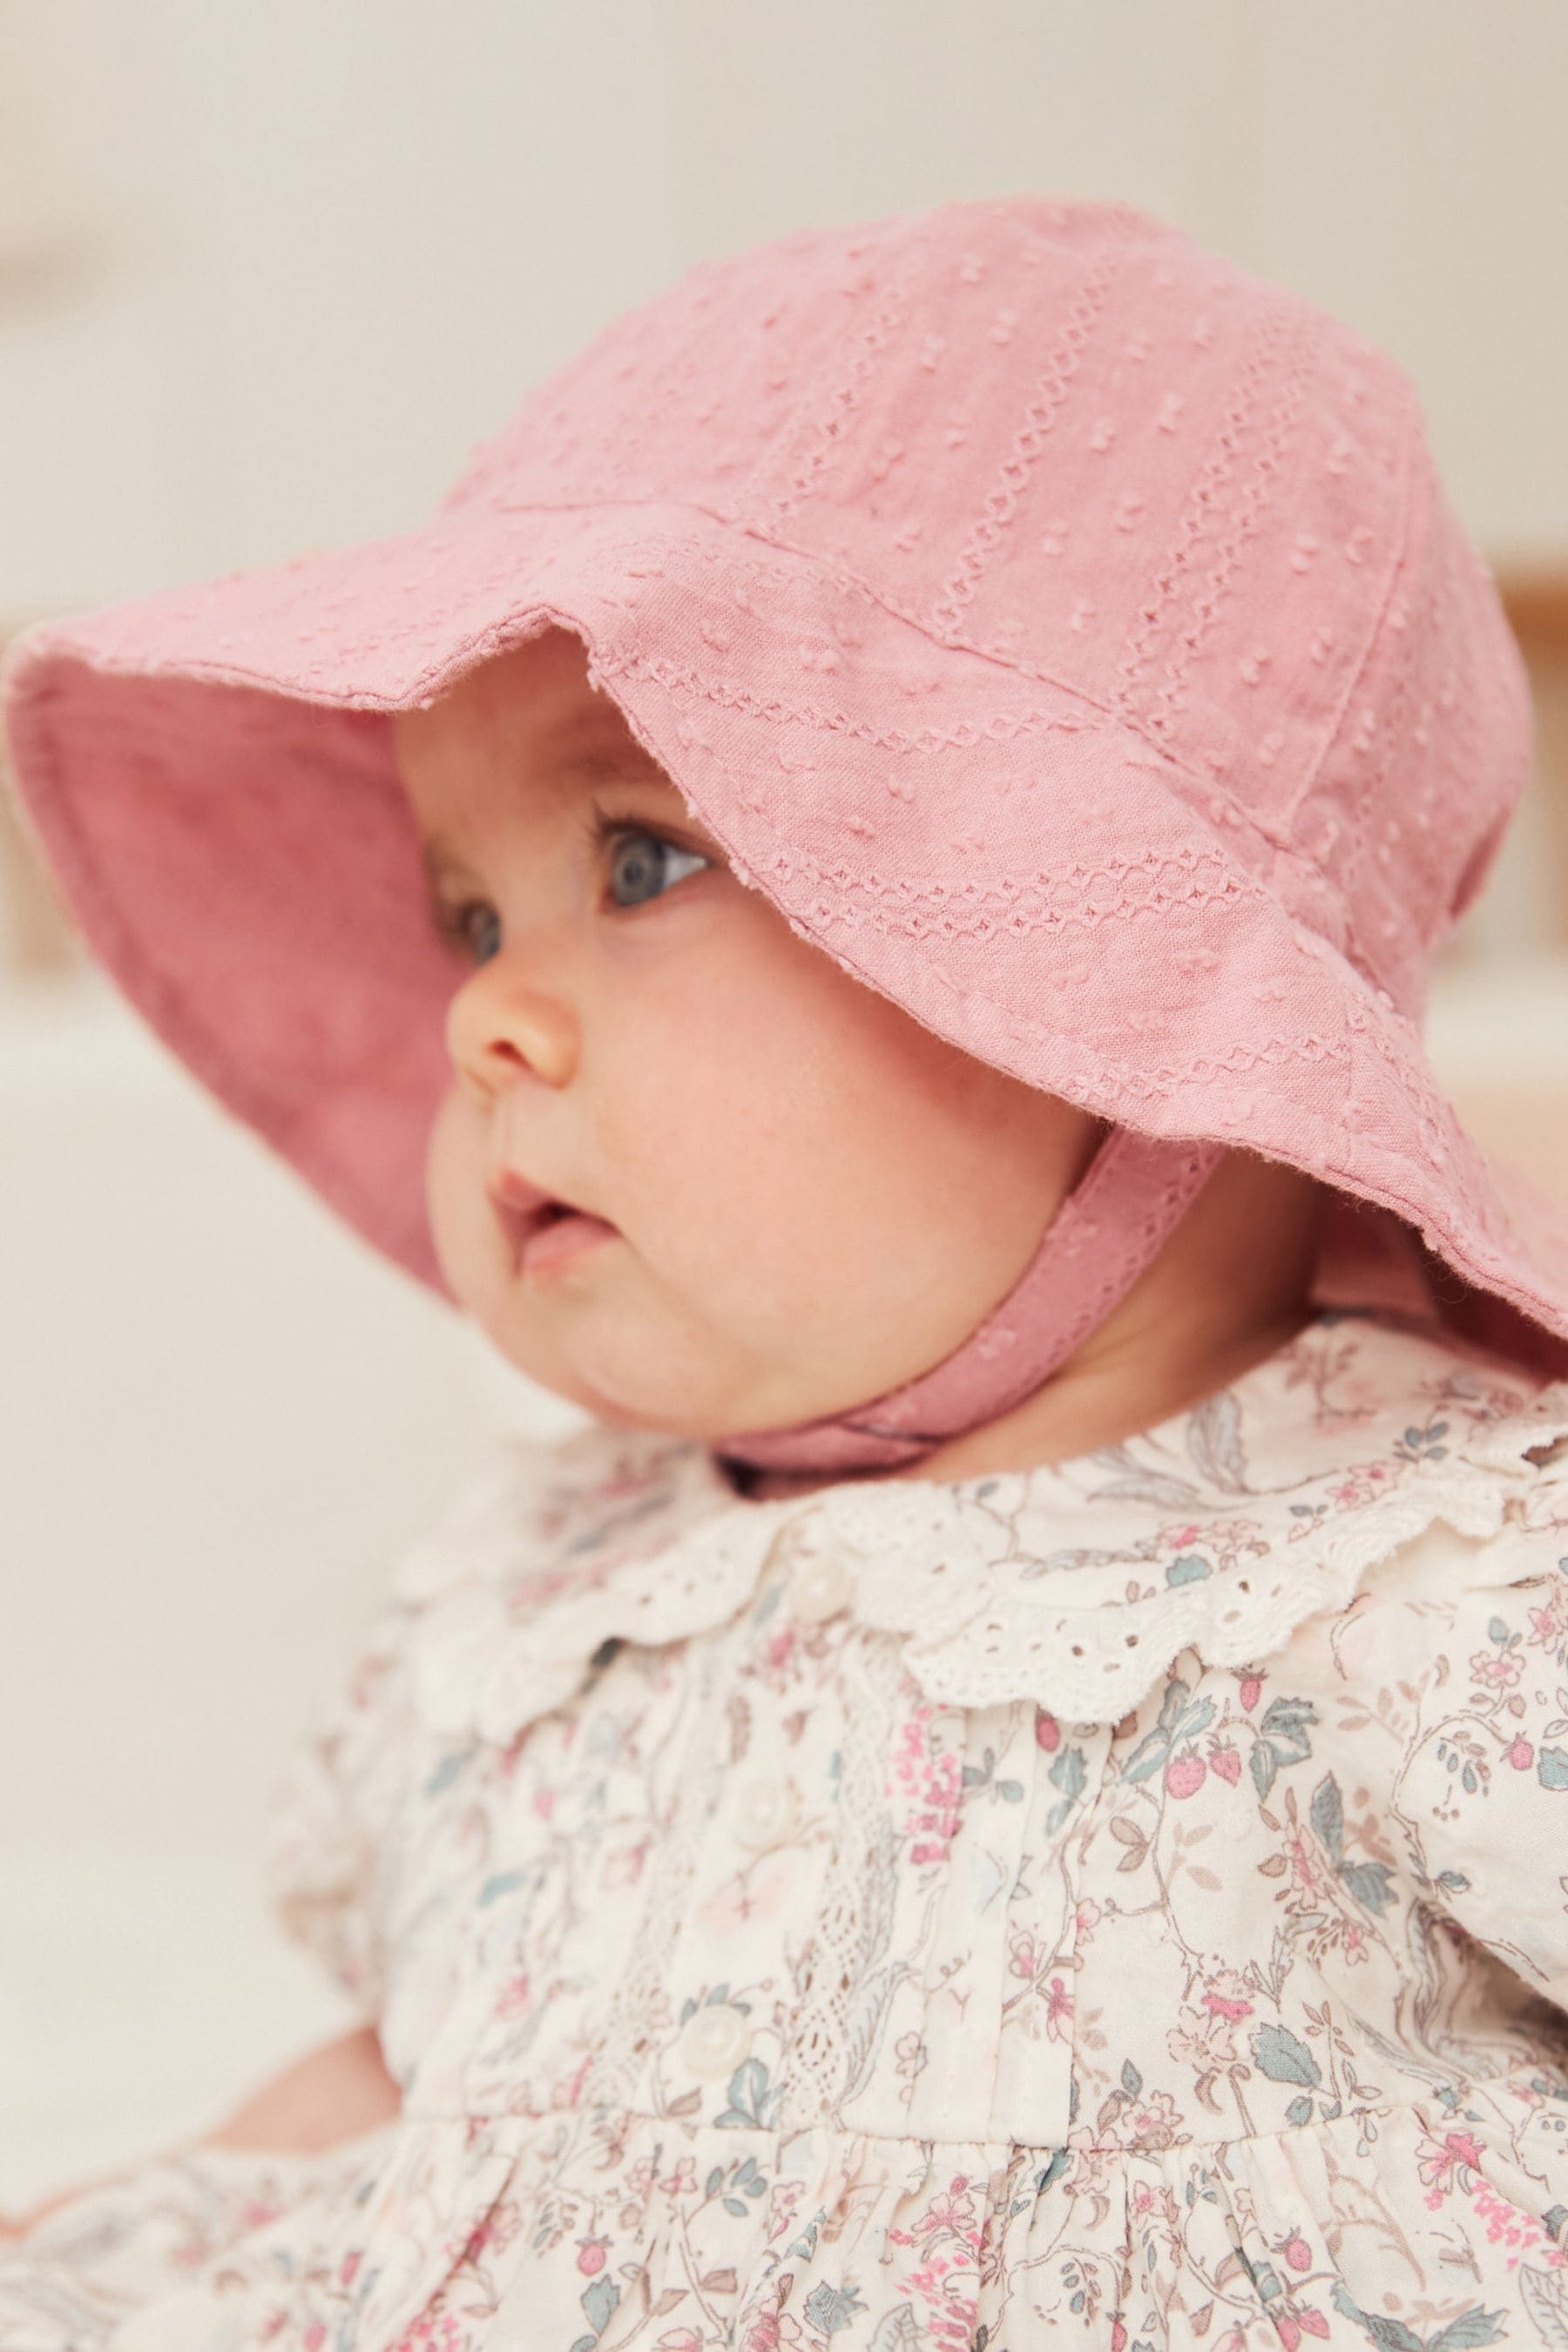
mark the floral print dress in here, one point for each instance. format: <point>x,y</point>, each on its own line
<point>1123,1902</point>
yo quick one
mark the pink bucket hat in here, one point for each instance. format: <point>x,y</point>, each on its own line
<point>1064,628</point>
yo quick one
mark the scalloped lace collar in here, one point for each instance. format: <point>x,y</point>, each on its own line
<point>1073,1583</point>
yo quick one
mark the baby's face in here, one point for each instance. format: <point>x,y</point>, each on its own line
<point>802,1196</point>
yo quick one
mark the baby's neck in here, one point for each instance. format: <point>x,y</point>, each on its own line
<point>1232,1285</point>
<point>1103,1403</point>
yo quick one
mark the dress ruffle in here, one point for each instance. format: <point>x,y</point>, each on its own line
<point>1445,2225</point>
<point>1074,1585</point>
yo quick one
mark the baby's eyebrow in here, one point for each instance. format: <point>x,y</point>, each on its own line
<point>612,763</point>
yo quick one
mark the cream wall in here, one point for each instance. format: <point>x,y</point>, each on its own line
<point>310,251</point>
<point>265,274</point>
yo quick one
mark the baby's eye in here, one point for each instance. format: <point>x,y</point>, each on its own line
<point>468,926</point>
<point>644,864</point>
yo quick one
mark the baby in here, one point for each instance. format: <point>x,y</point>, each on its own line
<point>859,899</point>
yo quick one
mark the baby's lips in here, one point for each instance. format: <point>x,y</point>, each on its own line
<point>514,1194</point>
<point>510,1190</point>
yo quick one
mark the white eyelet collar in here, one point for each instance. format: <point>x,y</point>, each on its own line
<point>1073,1584</point>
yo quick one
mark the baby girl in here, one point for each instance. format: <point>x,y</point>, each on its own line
<point>860,899</point>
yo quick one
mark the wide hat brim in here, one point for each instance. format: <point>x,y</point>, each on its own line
<point>209,774</point>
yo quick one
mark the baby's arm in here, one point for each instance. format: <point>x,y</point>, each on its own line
<point>332,2094</point>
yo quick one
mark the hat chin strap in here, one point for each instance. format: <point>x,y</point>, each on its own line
<point>1107,1230</point>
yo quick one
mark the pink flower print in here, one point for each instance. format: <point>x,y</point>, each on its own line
<point>1499,1668</point>
<point>1226,1997</point>
<point>1048,1732</point>
<point>683,2340</point>
<point>933,1787</point>
<point>437,2331</point>
<point>315,2335</point>
<point>625,1868</point>
<point>1088,1916</point>
<point>348,2270</point>
<point>1441,2162</point>
<point>782,2203</point>
<point>774,2331</point>
<point>544,1803</point>
<point>1546,1625</point>
<point>951,2213</point>
<point>1519,1754</point>
<point>683,2180</point>
<point>1185,1773</point>
<point>1152,2121</point>
<point>500,2225</point>
<point>1296,2252</point>
<point>1202,2040</point>
<point>1227,1762</point>
<point>591,2258</point>
<point>1251,1691</point>
<point>514,1998</point>
<point>910,2052</point>
<point>1059,2010</point>
<point>1302,1865</point>
<point>1506,2225</point>
<point>1025,1955</point>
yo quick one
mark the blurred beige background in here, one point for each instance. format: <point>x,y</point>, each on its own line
<point>265,276</point>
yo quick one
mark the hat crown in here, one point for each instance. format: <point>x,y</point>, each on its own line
<point>1062,435</point>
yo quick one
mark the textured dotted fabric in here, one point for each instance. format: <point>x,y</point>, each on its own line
<point>1064,628</point>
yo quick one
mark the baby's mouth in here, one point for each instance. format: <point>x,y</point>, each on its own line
<point>546,1232</point>
<point>558,1236</point>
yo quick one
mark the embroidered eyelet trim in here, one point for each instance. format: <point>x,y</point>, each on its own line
<point>638,1541</point>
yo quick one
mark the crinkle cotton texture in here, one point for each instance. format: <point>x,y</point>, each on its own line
<point>781,1946</point>
<point>1067,629</point>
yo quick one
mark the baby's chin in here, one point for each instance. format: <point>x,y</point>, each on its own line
<point>631,1385</point>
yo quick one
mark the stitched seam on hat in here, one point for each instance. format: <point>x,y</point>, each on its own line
<point>927,917</point>
<point>1412,441</point>
<point>1204,509</point>
<point>837,574</point>
<point>1002,501</point>
<point>1001,727</point>
<point>827,431</point>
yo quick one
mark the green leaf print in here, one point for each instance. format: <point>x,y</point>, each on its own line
<point>1281,1739</point>
<point>601,2300</point>
<point>1329,1815</point>
<point>1545,2296</point>
<point>1551,1768</point>
<point>752,2104</point>
<point>1177,1722</point>
<point>898,2331</point>
<point>1368,1882</point>
<point>830,2308</point>
<point>1283,2059</point>
<point>1472,2327</point>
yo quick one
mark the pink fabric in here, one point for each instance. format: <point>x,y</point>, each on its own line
<point>1065,628</point>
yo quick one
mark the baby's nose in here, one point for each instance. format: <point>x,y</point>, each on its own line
<point>501,1028</point>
